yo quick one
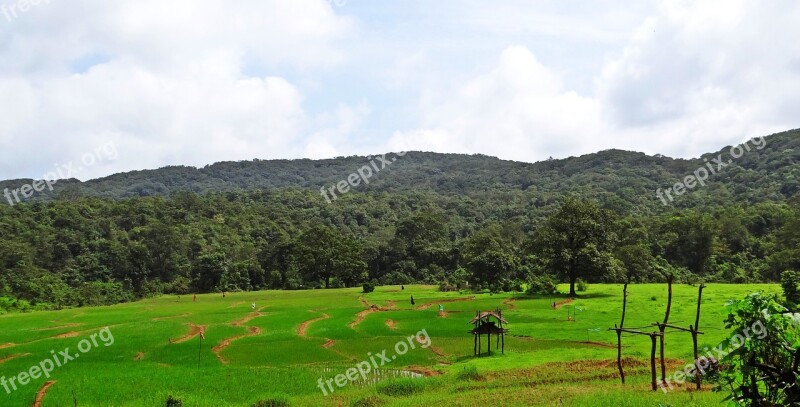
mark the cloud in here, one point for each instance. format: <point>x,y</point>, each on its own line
<point>179,82</point>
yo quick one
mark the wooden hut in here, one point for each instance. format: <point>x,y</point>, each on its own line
<point>489,323</point>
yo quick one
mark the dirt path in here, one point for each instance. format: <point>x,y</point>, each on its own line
<point>194,330</point>
<point>510,303</point>
<point>72,325</point>
<point>563,303</point>
<point>139,356</point>
<point>252,331</point>
<point>236,304</point>
<point>173,316</point>
<point>66,335</point>
<point>425,371</point>
<point>42,393</point>
<point>303,328</point>
<point>7,345</point>
<point>12,357</point>
<point>253,315</point>
<point>430,304</point>
<point>391,324</point>
<point>362,315</point>
<point>328,343</point>
<point>438,352</point>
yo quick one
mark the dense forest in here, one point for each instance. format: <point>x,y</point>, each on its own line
<point>458,221</point>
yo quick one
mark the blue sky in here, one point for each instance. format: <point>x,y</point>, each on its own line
<point>193,82</point>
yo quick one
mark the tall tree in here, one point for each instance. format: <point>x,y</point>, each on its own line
<point>576,241</point>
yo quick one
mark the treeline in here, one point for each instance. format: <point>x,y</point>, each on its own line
<point>92,251</point>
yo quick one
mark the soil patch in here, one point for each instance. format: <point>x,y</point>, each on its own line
<point>302,329</point>
<point>42,393</point>
<point>430,304</point>
<point>194,330</point>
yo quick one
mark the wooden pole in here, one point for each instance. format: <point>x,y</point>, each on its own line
<point>695,329</point>
<point>619,333</point>
<point>653,360</point>
<point>663,327</point>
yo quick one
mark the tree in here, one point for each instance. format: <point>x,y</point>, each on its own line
<point>490,259</point>
<point>576,241</point>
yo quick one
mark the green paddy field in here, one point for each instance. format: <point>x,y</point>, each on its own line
<point>279,352</point>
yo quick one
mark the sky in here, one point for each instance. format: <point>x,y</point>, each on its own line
<point>194,82</point>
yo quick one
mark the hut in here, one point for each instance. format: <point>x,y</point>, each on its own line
<point>489,323</point>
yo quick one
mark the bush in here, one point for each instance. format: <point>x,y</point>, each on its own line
<point>790,281</point>
<point>447,287</point>
<point>173,402</point>
<point>542,285</point>
<point>581,286</point>
<point>469,373</point>
<point>401,387</point>
<point>281,401</point>
<point>368,287</point>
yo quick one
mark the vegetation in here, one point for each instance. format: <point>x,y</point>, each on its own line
<point>547,358</point>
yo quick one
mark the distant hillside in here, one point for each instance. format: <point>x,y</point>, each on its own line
<point>618,178</point>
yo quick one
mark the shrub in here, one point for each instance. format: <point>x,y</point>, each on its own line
<point>368,287</point>
<point>401,387</point>
<point>790,281</point>
<point>447,287</point>
<point>542,285</point>
<point>173,402</point>
<point>581,286</point>
<point>469,373</point>
<point>280,401</point>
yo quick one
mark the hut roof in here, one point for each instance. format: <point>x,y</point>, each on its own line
<point>487,314</point>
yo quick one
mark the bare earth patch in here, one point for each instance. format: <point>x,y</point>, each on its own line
<point>430,304</point>
<point>391,324</point>
<point>390,305</point>
<point>173,316</point>
<point>563,303</point>
<point>302,329</point>
<point>510,303</point>
<point>12,357</point>
<point>425,371</point>
<point>54,328</point>
<point>42,393</point>
<point>252,331</point>
<point>7,345</point>
<point>139,356</point>
<point>66,335</point>
<point>328,343</point>
<point>194,330</point>
<point>248,318</point>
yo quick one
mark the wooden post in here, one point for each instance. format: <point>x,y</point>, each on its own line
<point>694,330</point>
<point>489,343</point>
<point>663,327</point>
<point>653,360</point>
<point>619,333</point>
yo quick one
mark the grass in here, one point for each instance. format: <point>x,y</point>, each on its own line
<point>548,360</point>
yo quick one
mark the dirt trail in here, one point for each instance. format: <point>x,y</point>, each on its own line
<point>563,303</point>
<point>252,331</point>
<point>66,335</point>
<point>303,328</point>
<point>438,352</point>
<point>173,316</point>
<point>328,343</point>
<point>7,345</point>
<point>194,330</point>
<point>12,357</point>
<point>248,318</point>
<point>390,305</point>
<point>71,325</point>
<point>236,304</point>
<point>139,356</point>
<point>425,371</point>
<point>430,304</point>
<point>42,393</point>
<point>510,303</point>
<point>391,324</point>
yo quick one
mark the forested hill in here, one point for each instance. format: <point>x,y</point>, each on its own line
<point>619,179</point>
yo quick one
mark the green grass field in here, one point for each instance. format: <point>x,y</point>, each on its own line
<point>548,361</point>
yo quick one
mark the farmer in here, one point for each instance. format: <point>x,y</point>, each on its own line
<point>412,300</point>
<point>253,306</point>
<point>195,298</point>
